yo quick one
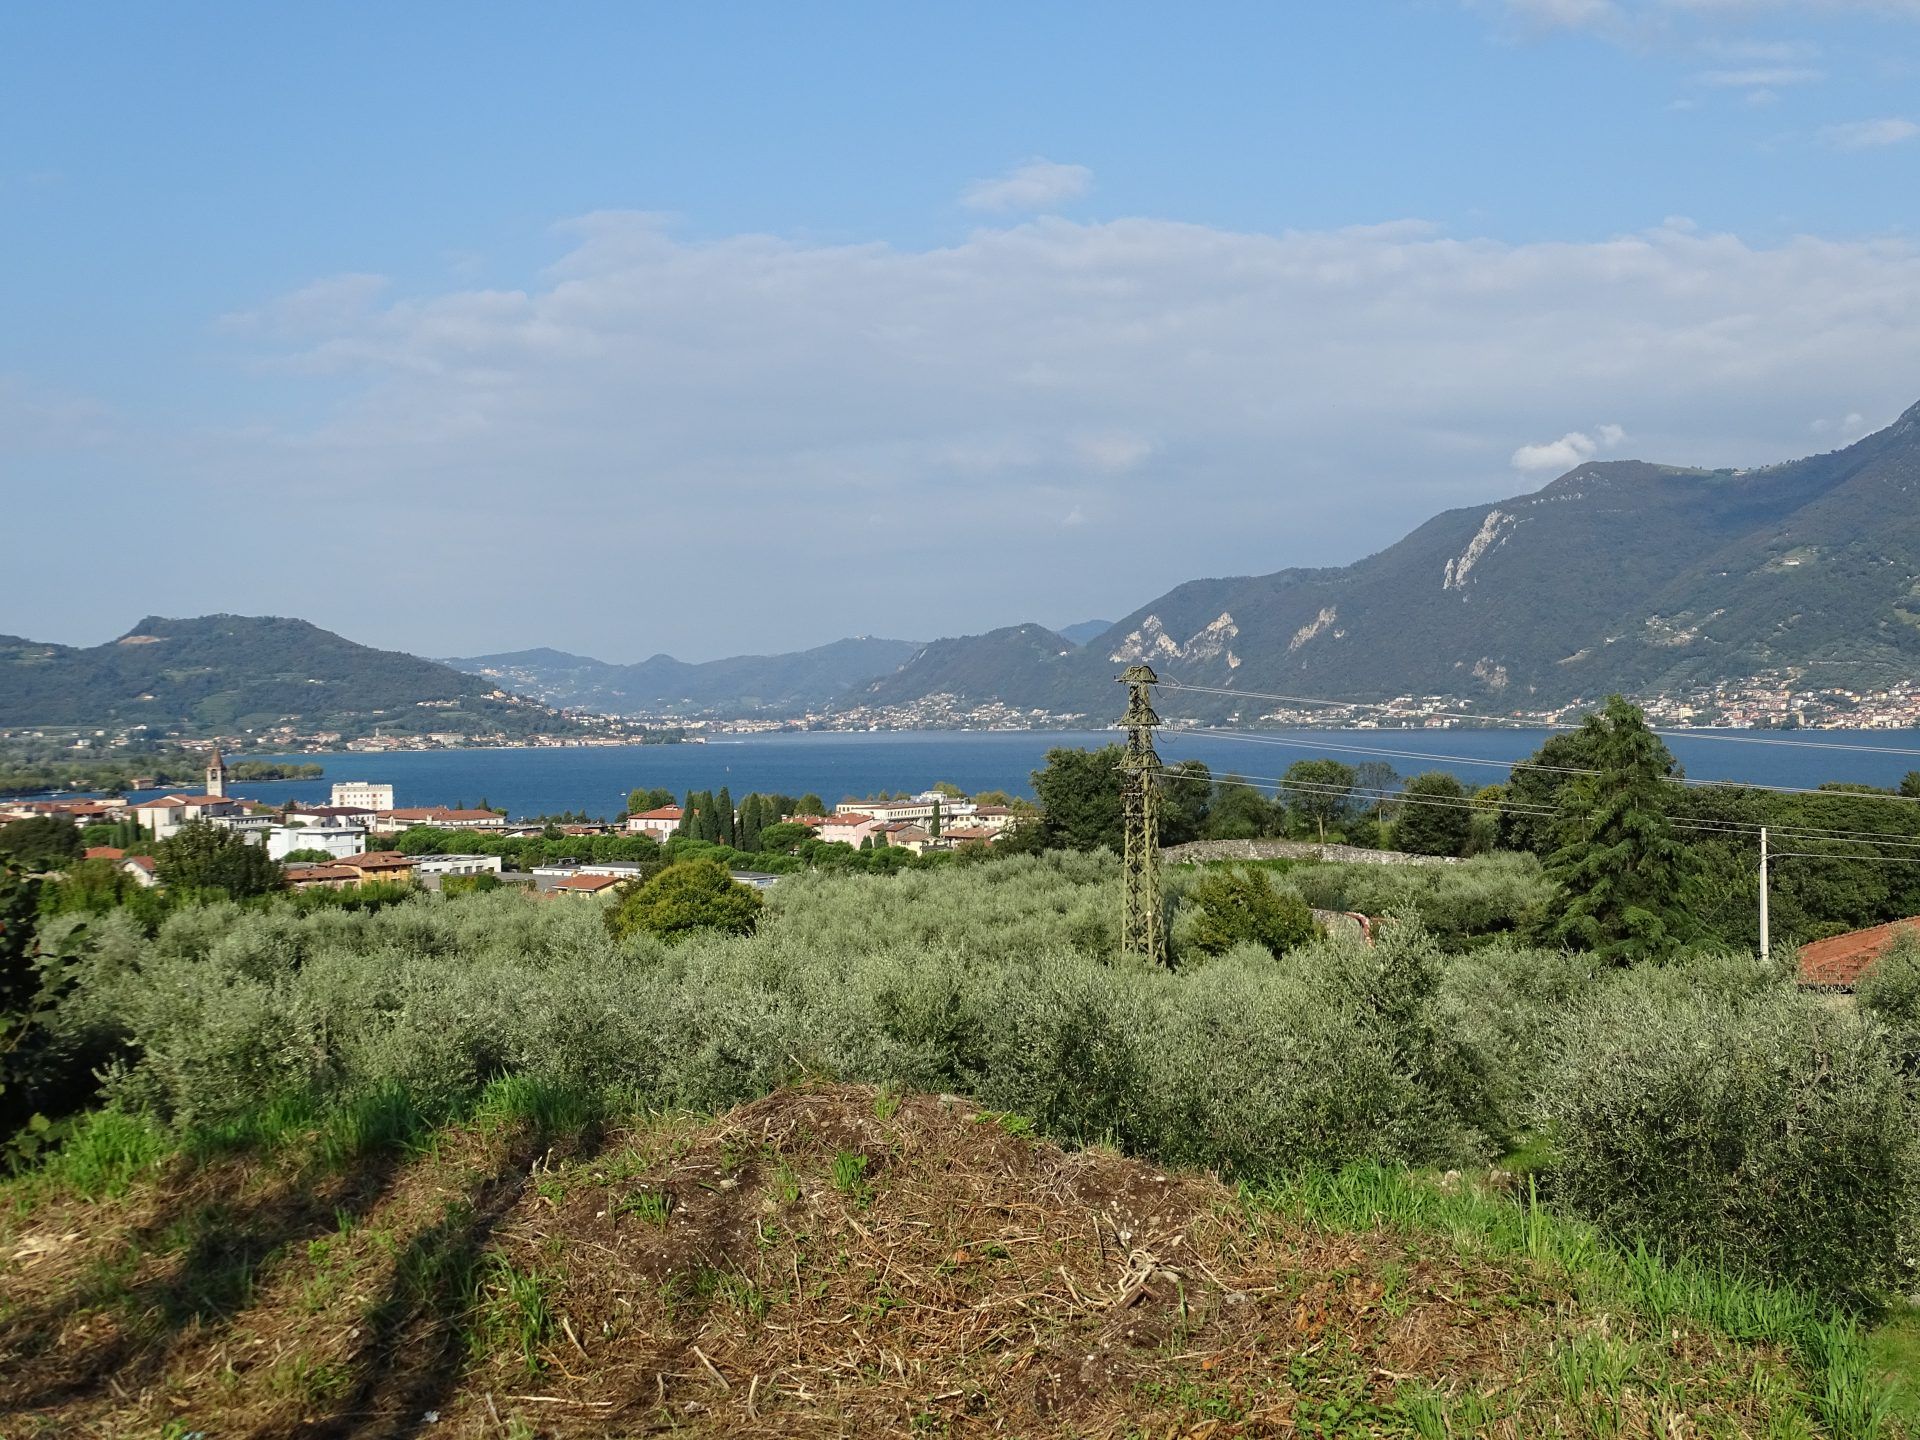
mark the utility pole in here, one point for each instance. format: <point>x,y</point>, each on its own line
<point>1766,936</point>
<point>1143,926</point>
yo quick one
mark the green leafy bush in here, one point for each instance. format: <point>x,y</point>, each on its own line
<point>692,895</point>
<point>1766,1130</point>
<point>1228,907</point>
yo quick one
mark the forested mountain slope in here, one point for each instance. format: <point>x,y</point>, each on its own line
<point>1618,575</point>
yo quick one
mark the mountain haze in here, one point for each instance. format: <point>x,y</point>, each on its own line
<point>1619,575</point>
<point>662,685</point>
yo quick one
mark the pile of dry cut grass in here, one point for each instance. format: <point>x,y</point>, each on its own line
<point>826,1261</point>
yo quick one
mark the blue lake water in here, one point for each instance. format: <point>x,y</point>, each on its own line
<point>837,766</point>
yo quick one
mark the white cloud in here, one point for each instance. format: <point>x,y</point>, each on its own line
<point>1870,134</point>
<point>1212,401</point>
<point>1762,77</point>
<point>1571,449</point>
<point>1037,185</point>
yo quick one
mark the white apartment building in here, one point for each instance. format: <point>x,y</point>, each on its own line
<point>339,841</point>
<point>362,795</point>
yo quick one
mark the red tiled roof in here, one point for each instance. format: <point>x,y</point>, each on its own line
<point>850,818</point>
<point>145,862</point>
<point>103,852</point>
<point>592,884</point>
<point>379,860</point>
<point>1840,960</point>
<point>665,812</point>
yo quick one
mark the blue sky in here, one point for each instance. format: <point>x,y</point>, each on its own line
<point>561,320</point>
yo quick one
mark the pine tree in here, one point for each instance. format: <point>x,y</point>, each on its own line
<point>1626,880</point>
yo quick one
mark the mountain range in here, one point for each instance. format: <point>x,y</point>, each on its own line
<point>224,674</point>
<point>1618,576</point>
<point>662,685</point>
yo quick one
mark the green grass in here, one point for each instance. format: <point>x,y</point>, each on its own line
<point>1893,1350</point>
<point>512,1313</point>
<point>850,1176</point>
<point>652,1206</point>
<point>106,1152</point>
<point>1845,1388</point>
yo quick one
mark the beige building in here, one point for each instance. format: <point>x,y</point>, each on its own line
<point>362,795</point>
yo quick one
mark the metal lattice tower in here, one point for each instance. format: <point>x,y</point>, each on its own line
<point>1143,928</point>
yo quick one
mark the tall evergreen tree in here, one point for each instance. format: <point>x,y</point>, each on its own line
<point>724,832</point>
<point>752,821</point>
<point>1437,818</point>
<point>810,804</point>
<point>690,816</point>
<point>1626,881</point>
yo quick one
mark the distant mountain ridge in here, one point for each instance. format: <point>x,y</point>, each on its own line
<point>222,674</point>
<point>1619,575</point>
<point>662,685</point>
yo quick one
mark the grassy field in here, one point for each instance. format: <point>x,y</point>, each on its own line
<point>836,1260</point>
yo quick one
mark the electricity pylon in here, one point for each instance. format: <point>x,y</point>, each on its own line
<point>1143,927</point>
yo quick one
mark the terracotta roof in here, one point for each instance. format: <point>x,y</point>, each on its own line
<point>665,812</point>
<point>591,884</point>
<point>968,833</point>
<point>850,818</point>
<point>379,860</point>
<point>145,862</point>
<point>189,802</point>
<point>103,852</point>
<point>301,874</point>
<point>1839,961</point>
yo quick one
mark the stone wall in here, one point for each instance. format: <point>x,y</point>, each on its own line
<point>1294,850</point>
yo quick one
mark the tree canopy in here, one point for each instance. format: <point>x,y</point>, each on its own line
<point>1437,818</point>
<point>41,842</point>
<point>692,895</point>
<point>1626,880</point>
<point>204,857</point>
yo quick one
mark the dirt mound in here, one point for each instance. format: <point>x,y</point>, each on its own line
<point>829,1261</point>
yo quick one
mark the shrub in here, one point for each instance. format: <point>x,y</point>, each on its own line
<point>692,895</point>
<point>1890,992</point>
<point>1228,907</point>
<point>1768,1131</point>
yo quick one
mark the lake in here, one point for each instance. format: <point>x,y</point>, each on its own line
<point>839,765</point>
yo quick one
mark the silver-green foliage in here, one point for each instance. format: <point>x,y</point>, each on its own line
<point>1000,981</point>
<point>1485,896</point>
<point>1742,1120</point>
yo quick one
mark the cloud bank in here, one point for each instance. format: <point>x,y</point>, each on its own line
<point>887,439</point>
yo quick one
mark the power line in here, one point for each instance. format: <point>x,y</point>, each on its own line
<point>1740,829</point>
<point>1313,746</point>
<point>1220,733</point>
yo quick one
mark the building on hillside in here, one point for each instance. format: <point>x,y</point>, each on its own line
<point>584,886</point>
<point>81,812</point>
<point>902,836</point>
<point>1838,962</point>
<point>657,823</point>
<point>968,835</point>
<point>548,877</point>
<point>164,816</point>
<point>439,817</point>
<point>299,814</point>
<point>430,870</point>
<point>362,795</point>
<point>388,865</point>
<point>321,877</point>
<point>251,825</point>
<point>992,817</point>
<point>847,828</point>
<point>917,808</point>
<point>142,868</point>
<point>338,841</point>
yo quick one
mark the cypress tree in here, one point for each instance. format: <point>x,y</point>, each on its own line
<point>1626,880</point>
<point>724,833</point>
<point>752,820</point>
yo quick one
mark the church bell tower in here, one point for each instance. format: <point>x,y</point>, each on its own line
<point>216,775</point>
